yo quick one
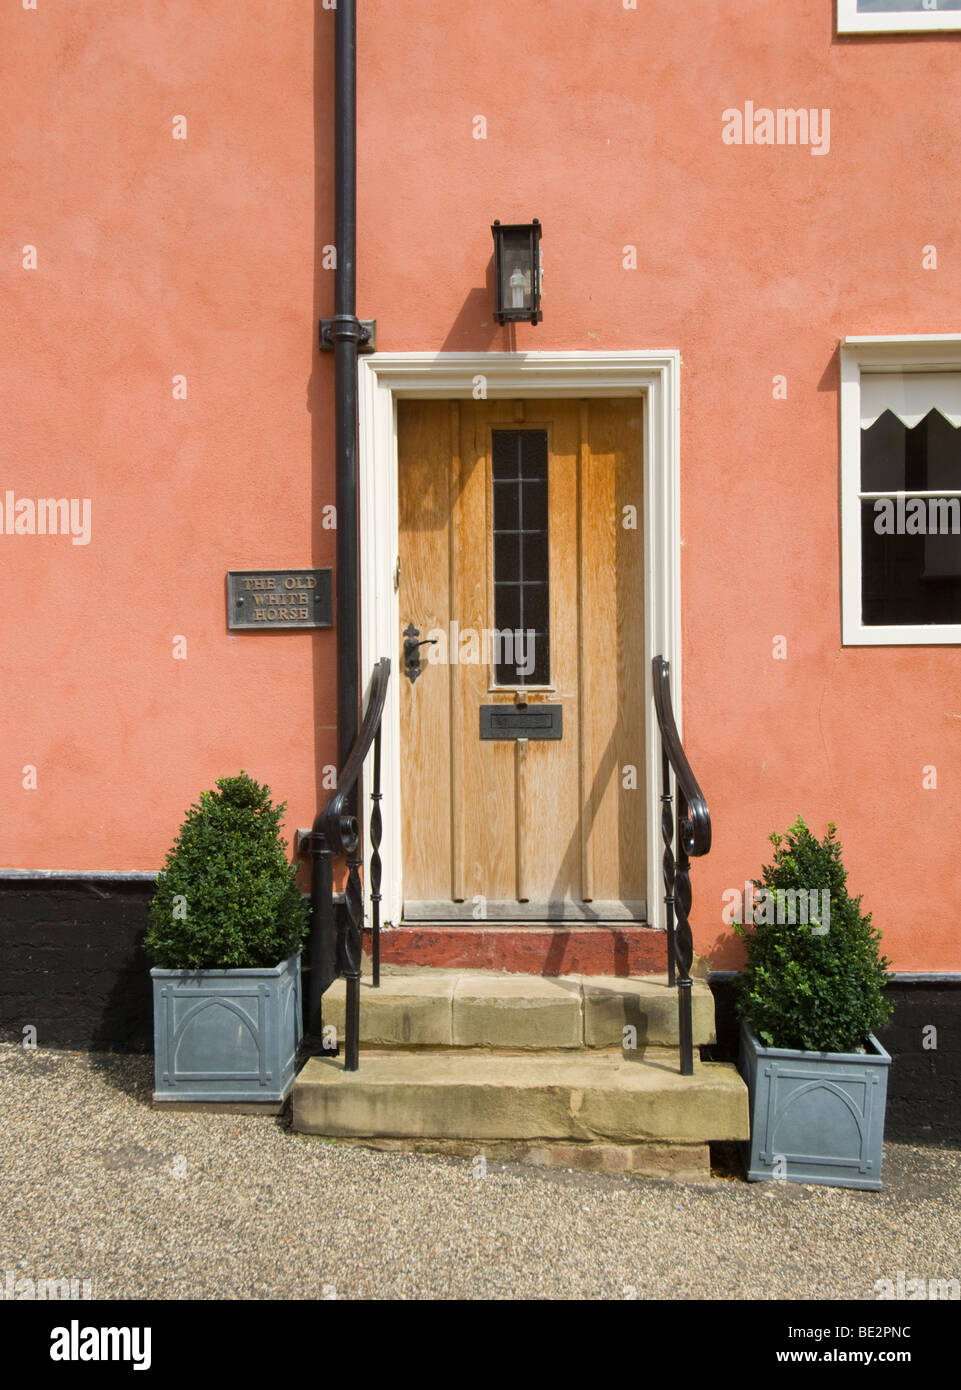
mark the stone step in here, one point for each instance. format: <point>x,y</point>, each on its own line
<point>463,1009</point>
<point>548,1098</point>
<point>615,949</point>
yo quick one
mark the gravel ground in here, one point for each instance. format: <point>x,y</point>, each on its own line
<point>95,1184</point>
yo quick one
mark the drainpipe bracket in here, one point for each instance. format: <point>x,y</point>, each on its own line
<point>309,842</point>
<point>362,331</point>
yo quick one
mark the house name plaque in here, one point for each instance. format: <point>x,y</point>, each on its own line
<point>278,600</point>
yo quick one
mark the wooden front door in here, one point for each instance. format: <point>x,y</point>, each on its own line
<point>522,736</point>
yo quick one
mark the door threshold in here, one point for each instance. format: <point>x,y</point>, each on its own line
<point>526,924</point>
<point>493,912</point>
<point>529,948</point>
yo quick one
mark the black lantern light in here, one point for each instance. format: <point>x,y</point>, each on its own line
<point>517,272</point>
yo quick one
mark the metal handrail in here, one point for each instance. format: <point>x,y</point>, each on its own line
<point>698,824</point>
<point>341,830</point>
<point>693,840</point>
<point>335,945</point>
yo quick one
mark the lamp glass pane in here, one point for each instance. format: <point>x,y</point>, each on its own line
<point>516,271</point>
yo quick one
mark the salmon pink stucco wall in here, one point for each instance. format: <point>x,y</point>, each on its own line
<point>156,258</point>
<point>203,256</point>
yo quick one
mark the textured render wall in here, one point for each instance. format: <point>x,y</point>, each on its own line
<point>754,261</point>
<point>157,257</point>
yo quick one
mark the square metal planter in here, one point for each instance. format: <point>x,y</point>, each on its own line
<point>226,1035</point>
<point>816,1117</point>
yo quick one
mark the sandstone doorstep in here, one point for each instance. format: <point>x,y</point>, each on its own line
<point>437,1008</point>
<point>580,1097</point>
<point>523,1011</point>
<point>682,1162</point>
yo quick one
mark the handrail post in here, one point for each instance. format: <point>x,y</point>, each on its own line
<point>323,934</point>
<point>667,835</point>
<point>376,828</point>
<point>337,945</point>
<point>352,1024</point>
<point>692,826</point>
<point>684,942</point>
<point>350,959</point>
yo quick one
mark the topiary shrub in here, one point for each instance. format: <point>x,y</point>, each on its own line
<point>226,898</point>
<point>819,986</point>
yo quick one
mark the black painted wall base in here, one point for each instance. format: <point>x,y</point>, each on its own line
<point>72,966</point>
<point>924,1040</point>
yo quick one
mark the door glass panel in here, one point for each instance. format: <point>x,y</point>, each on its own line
<point>521,594</point>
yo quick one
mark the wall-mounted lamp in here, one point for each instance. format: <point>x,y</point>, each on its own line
<point>517,272</point>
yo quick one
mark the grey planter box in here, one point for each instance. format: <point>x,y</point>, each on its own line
<point>226,1035</point>
<point>815,1116</point>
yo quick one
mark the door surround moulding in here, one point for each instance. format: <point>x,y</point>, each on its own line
<point>384,379</point>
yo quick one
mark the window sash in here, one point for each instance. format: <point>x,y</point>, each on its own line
<point>862,356</point>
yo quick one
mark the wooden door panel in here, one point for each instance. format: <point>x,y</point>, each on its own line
<point>548,820</point>
<point>424,515</point>
<point>537,829</point>
<point>488,770</point>
<point>612,585</point>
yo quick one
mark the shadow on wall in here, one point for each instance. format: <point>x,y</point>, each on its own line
<point>474,329</point>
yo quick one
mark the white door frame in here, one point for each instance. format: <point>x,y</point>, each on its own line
<point>385,378</point>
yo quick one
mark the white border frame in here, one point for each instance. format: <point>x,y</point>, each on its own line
<point>385,378</point>
<point>918,352</point>
<point>898,22</point>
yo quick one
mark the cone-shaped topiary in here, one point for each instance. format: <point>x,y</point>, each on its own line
<point>819,986</point>
<point>227,898</point>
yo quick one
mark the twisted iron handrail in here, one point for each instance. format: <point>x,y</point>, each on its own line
<point>693,840</point>
<point>336,948</point>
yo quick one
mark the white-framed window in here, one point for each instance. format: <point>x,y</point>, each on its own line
<point>901,491</point>
<point>898,16</point>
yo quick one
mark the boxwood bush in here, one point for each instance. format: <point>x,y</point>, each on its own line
<point>806,987</point>
<point>226,898</point>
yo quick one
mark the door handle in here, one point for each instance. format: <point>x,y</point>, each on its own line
<point>412,666</point>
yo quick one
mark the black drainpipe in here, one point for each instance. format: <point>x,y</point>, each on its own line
<point>344,335</point>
